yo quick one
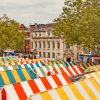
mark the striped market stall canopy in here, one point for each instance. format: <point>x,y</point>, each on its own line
<point>18,75</point>
<point>87,89</point>
<point>95,75</point>
<point>23,90</point>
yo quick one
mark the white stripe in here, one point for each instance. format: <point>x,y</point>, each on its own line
<point>66,71</point>
<point>13,63</point>
<point>54,95</point>
<point>10,68</point>
<point>70,68</point>
<point>36,97</point>
<point>28,65</point>
<point>51,69</point>
<point>22,66</point>
<point>38,71</point>
<point>26,88</point>
<point>11,93</point>
<point>68,64</point>
<point>96,78</point>
<point>62,80</point>
<point>93,89</point>
<point>40,64</point>
<point>76,67</point>
<point>82,91</point>
<point>52,82</point>
<point>40,84</point>
<point>57,68</point>
<point>45,70</point>
<point>1,69</point>
<point>69,93</point>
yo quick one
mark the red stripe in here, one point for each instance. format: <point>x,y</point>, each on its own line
<point>32,61</point>
<point>27,62</point>
<point>3,94</point>
<point>57,81</point>
<point>74,70</point>
<point>20,92</point>
<point>80,69</point>
<point>69,71</point>
<point>33,86</point>
<point>10,64</point>
<point>16,63</point>
<point>62,70</point>
<point>21,62</point>
<point>56,72</point>
<point>66,77</point>
<point>46,83</point>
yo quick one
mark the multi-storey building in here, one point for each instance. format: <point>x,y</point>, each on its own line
<point>27,38</point>
<point>47,45</point>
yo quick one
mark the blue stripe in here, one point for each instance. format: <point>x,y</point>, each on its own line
<point>1,81</point>
<point>20,73</point>
<point>11,77</point>
<point>31,65</point>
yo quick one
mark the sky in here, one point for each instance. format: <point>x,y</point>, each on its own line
<point>31,11</point>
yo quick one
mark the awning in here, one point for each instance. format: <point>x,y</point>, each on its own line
<point>14,76</point>
<point>87,89</point>
<point>23,90</point>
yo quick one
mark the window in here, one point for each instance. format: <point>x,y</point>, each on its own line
<point>40,34</point>
<point>67,47</point>
<point>53,44</point>
<point>49,33</point>
<point>43,54</point>
<point>58,45</point>
<point>53,55</point>
<point>44,44</point>
<point>35,44</point>
<point>35,34</point>
<point>48,54</point>
<point>39,54</point>
<point>39,44</point>
<point>48,43</point>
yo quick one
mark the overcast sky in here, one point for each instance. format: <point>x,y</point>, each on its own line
<point>31,11</point>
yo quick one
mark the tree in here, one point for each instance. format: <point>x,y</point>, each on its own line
<point>10,35</point>
<point>79,23</point>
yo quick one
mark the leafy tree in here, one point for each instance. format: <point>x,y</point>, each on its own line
<point>10,35</point>
<point>79,23</point>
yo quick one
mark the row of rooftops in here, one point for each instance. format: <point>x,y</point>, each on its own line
<point>37,27</point>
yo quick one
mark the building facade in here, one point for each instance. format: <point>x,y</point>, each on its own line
<point>26,49</point>
<point>46,45</point>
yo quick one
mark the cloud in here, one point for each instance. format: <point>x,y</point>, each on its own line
<point>31,11</point>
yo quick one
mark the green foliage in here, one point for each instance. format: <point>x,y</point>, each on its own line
<point>10,36</point>
<point>79,23</point>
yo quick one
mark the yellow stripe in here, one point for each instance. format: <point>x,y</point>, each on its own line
<point>27,76</point>
<point>62,94</point>
<point>16,76</point>
<point>95,84</point>
<point>85,65</point>
<point>5,77</point>
<point>76,92</point>
<point>97,74</point>
<point>88,90</point>
<point>46,96</point>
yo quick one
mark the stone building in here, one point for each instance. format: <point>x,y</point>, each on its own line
<point>46,45</point>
